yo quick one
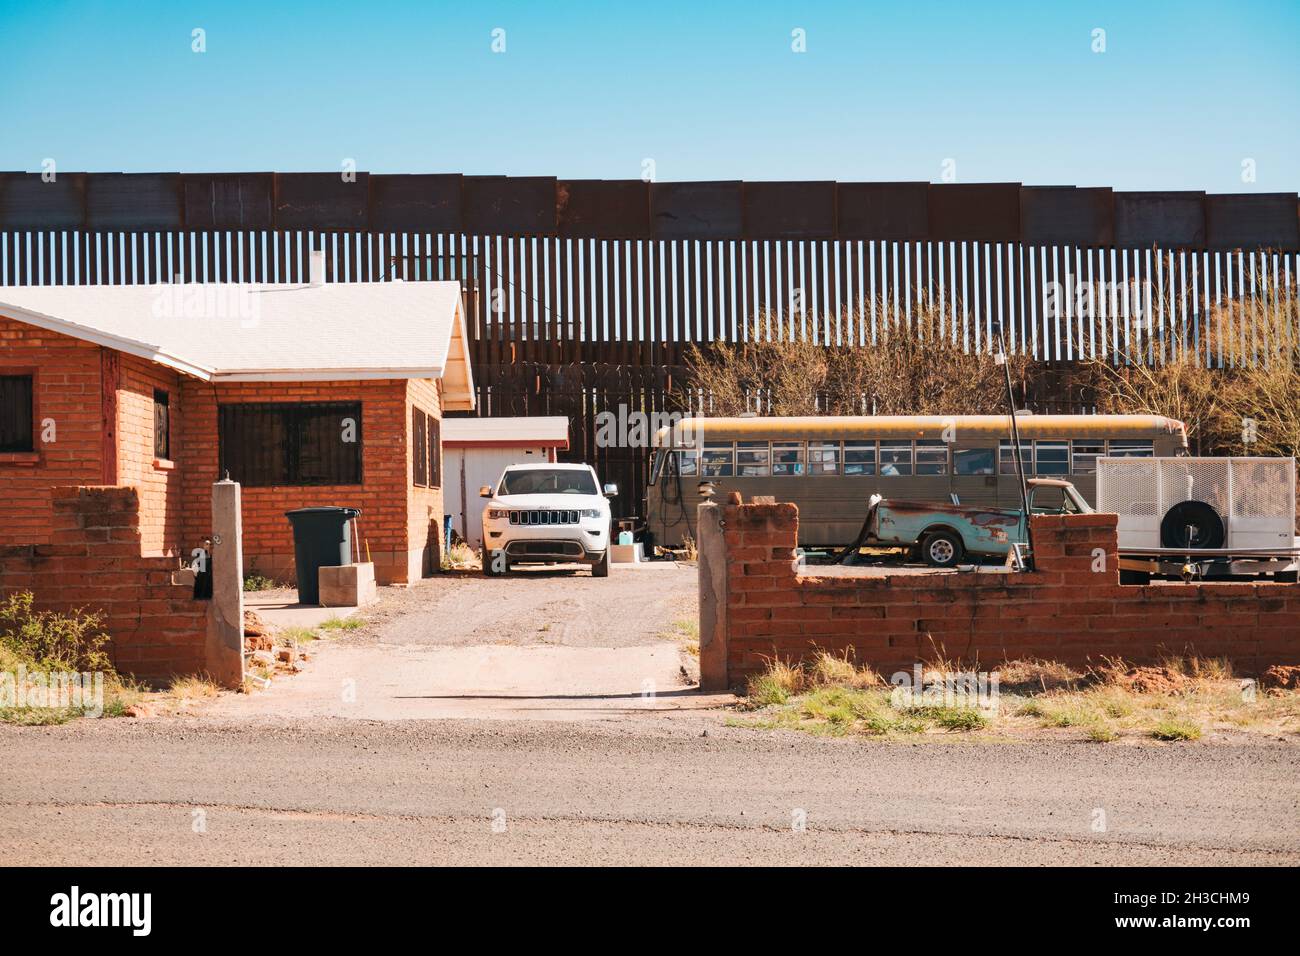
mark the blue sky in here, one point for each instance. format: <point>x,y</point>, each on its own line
<point>1182,95</point>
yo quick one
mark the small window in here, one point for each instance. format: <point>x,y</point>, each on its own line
<point>751,459</point>
<point>859,458</point>
<point>162,428</point>
<point>1007,460</point>
<point>973,461</point>
<point>16,413</point>
<point>419,448</point>
<point>718,459</point>
<point>1132,448</point>
<point>1086,452</point>
<point>823,458</point>
<point>931,457</point>
<point>895,459</point>
<point>1052,457</point>
<point>688,463</point>
<point>787,458</point>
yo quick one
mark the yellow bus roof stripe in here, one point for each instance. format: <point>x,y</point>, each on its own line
<point>924,426</point>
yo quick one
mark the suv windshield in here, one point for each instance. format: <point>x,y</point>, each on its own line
<point>548,481</point>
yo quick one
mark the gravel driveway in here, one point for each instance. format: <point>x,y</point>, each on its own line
<point>541,644</point>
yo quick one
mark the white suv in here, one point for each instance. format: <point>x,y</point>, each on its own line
<point>546,514</point>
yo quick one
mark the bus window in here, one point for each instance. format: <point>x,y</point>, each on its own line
<point>717,460</point>
<point>823,458</point>
<point>751,459</point>
<point>1007,461</point>
<point>931,457</point>
<point>1086,451</point>
<point>1132,448</point>
<point>859,458</point>
<point>1052,457</point>
<point>787,458</point>
<point>972,461</point>
<point>688,463</point>
<point>895,458</point>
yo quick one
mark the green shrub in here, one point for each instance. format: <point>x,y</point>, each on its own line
<point>1174,729</point>
<point>53,640</point>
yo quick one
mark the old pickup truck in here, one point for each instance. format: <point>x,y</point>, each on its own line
<point>943,534</point>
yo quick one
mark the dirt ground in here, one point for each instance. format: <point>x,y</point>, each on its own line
<point>543,643</point>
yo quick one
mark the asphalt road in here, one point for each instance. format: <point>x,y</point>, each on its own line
<point>647,789</point>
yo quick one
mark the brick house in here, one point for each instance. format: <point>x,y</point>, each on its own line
<point>312,394</point>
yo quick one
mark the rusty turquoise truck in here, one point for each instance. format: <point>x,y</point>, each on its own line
<point>943,534</point>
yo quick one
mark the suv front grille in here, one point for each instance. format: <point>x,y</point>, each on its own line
<point>543,517</point>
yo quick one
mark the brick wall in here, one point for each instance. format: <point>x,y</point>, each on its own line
<point>158,481</point>
<point>424,505</point>
<point>93,561</point>
<point>1072,608</point>
<point>67,391</point>
<point>385,497</point>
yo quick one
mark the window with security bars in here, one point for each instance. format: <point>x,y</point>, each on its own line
<point>162,425</point>
<point>419,448</point>
<point>291,443</point>
<point>16,413</point>
<point>426,449</point>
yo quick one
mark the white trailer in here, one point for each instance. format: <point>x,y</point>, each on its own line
<point>1208,516</point>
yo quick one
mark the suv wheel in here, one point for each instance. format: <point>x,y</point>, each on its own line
<point>601,568</point>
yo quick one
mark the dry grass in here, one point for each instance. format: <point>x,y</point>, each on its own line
<point>1179,699</point>
<point>686,632</point>
<point>461,557</point>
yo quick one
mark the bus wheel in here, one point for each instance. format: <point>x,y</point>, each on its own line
<point>942,549</point>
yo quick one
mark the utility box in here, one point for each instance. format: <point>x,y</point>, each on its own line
<point>1239,504</point>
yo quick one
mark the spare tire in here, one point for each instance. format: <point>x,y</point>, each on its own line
<point>1205,524</point>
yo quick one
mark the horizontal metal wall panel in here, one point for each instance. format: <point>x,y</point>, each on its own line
<point>509,205</point>
<point>789,210</point>
<point>899,211</point>
<point>978,211</point>
<point>134,201</point>
<point>321,201</point>
<point>1252,221</point>
<point>1171,220</point>
<point>1063,214</point>
<point>705,210</point>
<point>423,202</point>
<point>28,202</point>
<point>229,200</point>
<point>603,208</point>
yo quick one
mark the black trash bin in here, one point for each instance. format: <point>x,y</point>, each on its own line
<point>322,538</point>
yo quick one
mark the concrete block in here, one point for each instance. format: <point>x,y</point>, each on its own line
<point>626,553</point>
<point>348,585</point>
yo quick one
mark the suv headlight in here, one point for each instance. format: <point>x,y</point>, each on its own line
<point>591,512</point>
<point>498,513</point>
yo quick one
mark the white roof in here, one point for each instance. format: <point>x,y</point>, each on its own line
<point>231,332</point>
<point>528,430</point>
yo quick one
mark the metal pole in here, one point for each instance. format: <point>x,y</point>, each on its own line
<point>1015,441</point>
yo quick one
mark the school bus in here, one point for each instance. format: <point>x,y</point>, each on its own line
<point>830,466</point>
